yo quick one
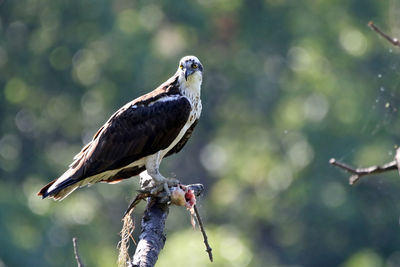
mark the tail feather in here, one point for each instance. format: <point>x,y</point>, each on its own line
<point>59,193</point>
<point>59,188</point>
<point>43,192</point>
<point>63,193</point>
<point>73,179</point>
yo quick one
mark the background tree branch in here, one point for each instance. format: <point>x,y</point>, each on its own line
<point>392,40</point>
<point>357,173</point>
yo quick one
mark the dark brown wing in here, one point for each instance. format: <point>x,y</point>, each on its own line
<point>130,172</point>
<point>178,147</point>
<point>135,131</point>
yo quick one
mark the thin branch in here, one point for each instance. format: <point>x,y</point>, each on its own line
<point>360,172</point>
<point>393,41</point>
<point>203,231</point>
<point>77,258</point>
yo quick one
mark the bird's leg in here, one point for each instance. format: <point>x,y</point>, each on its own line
<point>160,182</point>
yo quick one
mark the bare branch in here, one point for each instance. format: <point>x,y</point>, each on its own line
<point>360,172</point>
<point>77,258</point>
<point>152,237</point>
<point>393,41</point>
<point>203,231</point>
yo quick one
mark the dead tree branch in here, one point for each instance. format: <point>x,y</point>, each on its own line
<point>393,41</point>
<point>77,258</point>
<point>357,173</point>
<point>360,172</point>
<point>152,237</point>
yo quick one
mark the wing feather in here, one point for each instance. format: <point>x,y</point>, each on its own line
<point>136,133</point>
<point>138,129</point>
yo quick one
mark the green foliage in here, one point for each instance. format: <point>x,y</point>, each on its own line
<point>287,85</point>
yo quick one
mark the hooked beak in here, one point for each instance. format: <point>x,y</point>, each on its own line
<point>188,73</point>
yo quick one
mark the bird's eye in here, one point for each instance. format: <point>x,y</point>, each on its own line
<point>195,66</point>
<point>181,66</point>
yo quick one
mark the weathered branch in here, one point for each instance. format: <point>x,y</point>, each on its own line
<point>360,172</point>
<point>393,41</point>
<point>152,237</point>
<point>77,258</point>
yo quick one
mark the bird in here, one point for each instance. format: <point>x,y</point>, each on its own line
<point>136,138</point>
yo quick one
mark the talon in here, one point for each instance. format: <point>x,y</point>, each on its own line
<point>164,185</point>
<point>156,189</point>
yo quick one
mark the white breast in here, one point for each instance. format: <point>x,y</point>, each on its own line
<point>191,89</point>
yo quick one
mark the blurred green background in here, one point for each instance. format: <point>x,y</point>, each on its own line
<point>287,85</point>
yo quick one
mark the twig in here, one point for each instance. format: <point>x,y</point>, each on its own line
<point>360,172</point>
<point>203,231</point>
<point>77,258</point>
<point>393,41</point>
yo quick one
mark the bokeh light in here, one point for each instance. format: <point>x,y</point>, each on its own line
<point>287,85</point>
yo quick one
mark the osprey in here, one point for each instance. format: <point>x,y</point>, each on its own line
<point>138,136</point>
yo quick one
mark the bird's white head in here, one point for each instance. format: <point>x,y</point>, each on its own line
<point>190,69</point>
